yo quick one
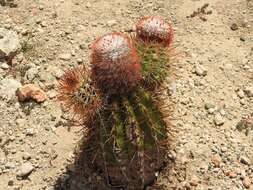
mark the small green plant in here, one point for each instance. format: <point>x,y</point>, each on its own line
<point>26,46</point>
<point>117,98</point>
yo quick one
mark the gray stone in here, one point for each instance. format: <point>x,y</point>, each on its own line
<point>244,160</point>
<point>31,73</point>
<point>218,119</point>
<point>25,170</point>
<point>111,23</point>
<point>65,56</point>
<point>249,91</point>
<point>4,65</point>
<point>9,43</point>
<point>8,87</point>
<point>209,105</point>
<point>200,70</point>
<point>240,93</point>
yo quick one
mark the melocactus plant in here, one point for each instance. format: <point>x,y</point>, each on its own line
<point>116,68</point>
<point>128,137</point>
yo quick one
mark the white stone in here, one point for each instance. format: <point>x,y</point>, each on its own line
<point>9,43</point>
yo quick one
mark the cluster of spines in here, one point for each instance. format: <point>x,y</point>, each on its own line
<point>78,94</point>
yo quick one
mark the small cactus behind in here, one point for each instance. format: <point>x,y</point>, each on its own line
<point>128,138</point>
<point>153,42</point>
<point>154,29</point>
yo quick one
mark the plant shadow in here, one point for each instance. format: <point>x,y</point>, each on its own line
<point>85,172</point>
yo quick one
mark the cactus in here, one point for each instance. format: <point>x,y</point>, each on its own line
<point>153,41</point>
<point>129,136</point>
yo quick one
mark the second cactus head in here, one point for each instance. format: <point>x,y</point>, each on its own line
<point>154,29</point>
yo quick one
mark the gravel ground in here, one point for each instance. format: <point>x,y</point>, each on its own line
<point>211,92</point>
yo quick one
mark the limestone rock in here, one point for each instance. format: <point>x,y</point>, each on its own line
<point>9,43</point>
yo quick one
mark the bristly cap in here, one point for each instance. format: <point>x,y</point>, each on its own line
<point>116,68</point>
<point>154,29</point>
<point>78,94</point>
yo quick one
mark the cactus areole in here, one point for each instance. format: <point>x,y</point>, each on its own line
<point>154,29</point>
<point>115,65</point>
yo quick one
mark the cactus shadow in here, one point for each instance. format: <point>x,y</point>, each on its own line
<point>83,174</point>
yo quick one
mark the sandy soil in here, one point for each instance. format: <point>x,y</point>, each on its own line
<point>213,68</point>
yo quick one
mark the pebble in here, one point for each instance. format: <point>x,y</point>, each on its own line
<point>25,170</point>
<point>234,27</point>
<point>31,91</point>
<point>249,91</point>
<point>218,119</point>
<point>10,182</point>
<point>111,23</point>
<point>4,66</point>
<point>194,181</point>
<point>231,174</point>
<point>216,160</point>
<point>200,70</point>
<point>26,156</point>
<point>240,93</point>
<point>209,105</point>
<point>65,57</point>
<point>31,73</point>
<point>244,160</point>
<point>246,182</point>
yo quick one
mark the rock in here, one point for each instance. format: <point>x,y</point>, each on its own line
<point>31,73</point>
<point>240,93</point>
<point>25,170</point>
<point>26,156</point>
<point>216,160</point>
<point>30,132</point>
<point>65,57</point>
<point>9,43</point>
<point>31,91</point>
<point>200,70</point>
<point>209,105</point>
<point>234,27</point>
<point>8,87</point>
<point>244,160</point>
<point>194,181</point>
<point>246,182</point>
<point>244,124</point>
<point>10,182</point>
<point>249,91</point>
<point>79,61</point>
<point>232,174</point>
<point>111,23</point>
<point>218,119</point>
<point>4,65</point>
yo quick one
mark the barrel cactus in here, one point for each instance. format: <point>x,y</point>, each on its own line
<point>128,136</point>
